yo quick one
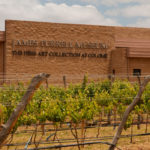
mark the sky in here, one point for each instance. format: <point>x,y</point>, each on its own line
<point>130,13</point>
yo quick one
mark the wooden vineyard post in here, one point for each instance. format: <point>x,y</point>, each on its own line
<point>47,83</point>
<point>8,126</point>
<point>146,123</point>
<point>127,112</point>
<point>82,132</point>
<point>64,80</point>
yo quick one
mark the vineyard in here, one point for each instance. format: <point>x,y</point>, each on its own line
<point>78,115</point>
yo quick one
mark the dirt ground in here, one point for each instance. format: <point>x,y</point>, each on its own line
<point>138,142</point>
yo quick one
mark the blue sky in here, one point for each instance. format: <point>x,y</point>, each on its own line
<point>133,13</point>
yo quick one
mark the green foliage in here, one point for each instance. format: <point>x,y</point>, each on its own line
<point>3,111</point>
<point>128,122</point>
<point>76,103</point>
<point>103,98</point>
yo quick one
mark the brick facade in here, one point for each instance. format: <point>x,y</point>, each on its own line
<point>118,40</point>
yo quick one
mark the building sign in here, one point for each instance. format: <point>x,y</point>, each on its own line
<point>60,44</point>
<point>31,44</point>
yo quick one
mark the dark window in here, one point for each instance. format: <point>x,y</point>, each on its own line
<point>113,71</point>
<point>136,72</point>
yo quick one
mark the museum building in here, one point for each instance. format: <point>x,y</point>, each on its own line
<point>28,47</point>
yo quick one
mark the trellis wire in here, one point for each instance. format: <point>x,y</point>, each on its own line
<point>73,140</point>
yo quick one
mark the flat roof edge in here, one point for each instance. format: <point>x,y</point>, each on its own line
<point>80,24</point>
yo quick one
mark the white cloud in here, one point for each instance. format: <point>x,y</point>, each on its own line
<point>91,1</point>
<point>114,12</point>
<point>51,12</point>
<point>141,23</point>
<point>137,11</point>
<point>116,2</point>
<point>131,11</point>
<point>140,14</point>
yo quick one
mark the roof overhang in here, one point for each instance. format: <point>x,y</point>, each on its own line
<point>135,48</point>
<point>130,43</point>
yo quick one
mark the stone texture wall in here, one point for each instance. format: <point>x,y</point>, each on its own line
<point>1,61</point>
<point>131,33</point>
<point>139,63</point>
<point>73,67</point>
<point>119,62</point>
<point>136,38</point>
<point>1,57</point>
